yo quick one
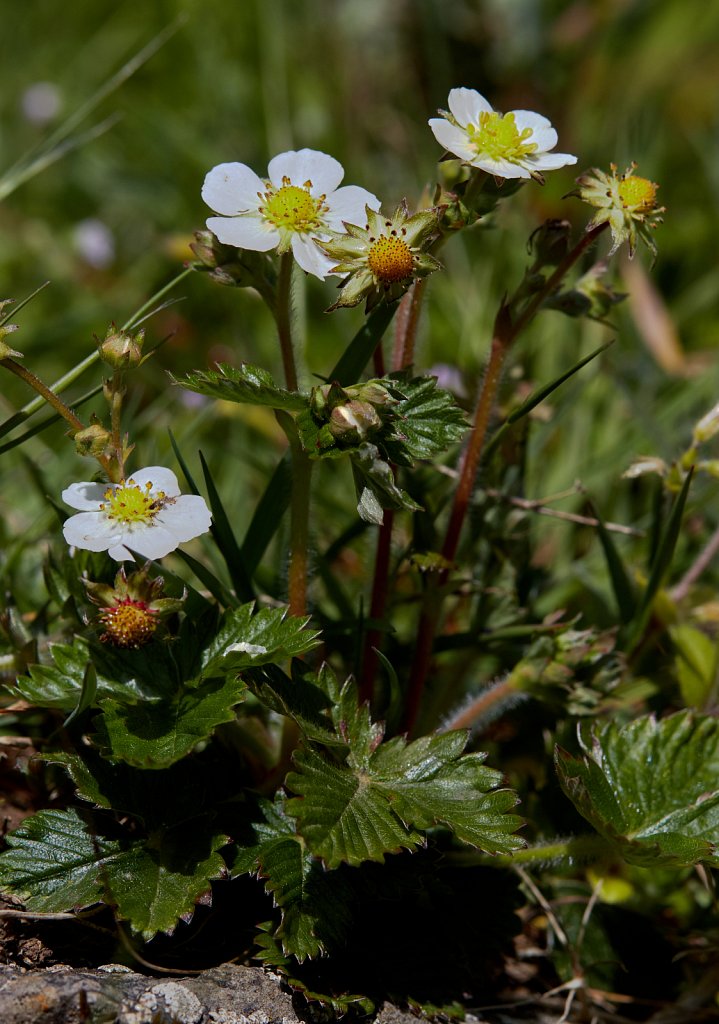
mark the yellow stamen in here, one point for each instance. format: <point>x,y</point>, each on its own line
<point>499,138</point>
<point>128,503</point>
<point>292,207</point>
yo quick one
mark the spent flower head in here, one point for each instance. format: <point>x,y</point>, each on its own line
<point>383,258</point>
<point>625,201</point>
<point>144,513</point>
<point>513,145</point>
<point>133,608</point>
<point>298,204</point>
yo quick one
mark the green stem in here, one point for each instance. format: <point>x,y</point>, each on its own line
<point>577,850</point>
<point>283,318</point>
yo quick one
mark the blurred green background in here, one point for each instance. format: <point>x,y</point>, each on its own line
<point>110,222</point>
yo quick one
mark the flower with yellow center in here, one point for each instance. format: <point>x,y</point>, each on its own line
<point>298,205</point>
<point>513,145</point>
<point>383,258</point>
<point>626,202</point>
<point>145,514</point>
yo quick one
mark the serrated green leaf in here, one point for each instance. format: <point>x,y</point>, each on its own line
<point>376,802</point>
<point>61,684</point>
<point>58,860</point>
<point>299,698</point>
<point>651,787</point>
<point>246,384</point>
<point>155,735</point>
<point>428,421</point>
<point>311,899</point>
<point>269,635</point>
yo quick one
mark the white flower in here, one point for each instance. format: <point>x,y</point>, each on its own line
<point>515,145</point>
<point>298,204</point>
<point>145,513</point>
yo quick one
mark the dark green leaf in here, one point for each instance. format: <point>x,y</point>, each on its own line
<point>247,384</point>
<point>621,580</point>
<point>57,861</point>
<point>155,735</point>
<point>428,421</point>
<point>269,635</point>
<point>651,787</point>
<point>268,515</point>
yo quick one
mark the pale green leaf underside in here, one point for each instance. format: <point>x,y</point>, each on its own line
<point>247,384</point>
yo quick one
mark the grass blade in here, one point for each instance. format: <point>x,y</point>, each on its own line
<point>225,539</point>
<point>358,353</point>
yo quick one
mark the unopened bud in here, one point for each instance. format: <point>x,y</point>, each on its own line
<point>93,440</point>
<point>121,350</point>
<point>551,241</point>
<point>326,398</point>
<point>707,426</point>
<point>5,351</point>
<point>353,422</point>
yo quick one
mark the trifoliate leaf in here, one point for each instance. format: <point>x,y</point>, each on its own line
<point>155,735</point>
<point>245,639</point>
<point>378,800</point>
<point>58,860</point>
<point>652,787</point>
<point>246,384</point>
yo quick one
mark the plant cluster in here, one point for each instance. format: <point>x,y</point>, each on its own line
<point>353,741</point>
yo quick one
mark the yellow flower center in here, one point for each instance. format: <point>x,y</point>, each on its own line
<point>637,194</point>
<point>130,503</point>
<point>129,624</point>
<point>292,207</point>
<point>499,138</point>
<point>390,259</point>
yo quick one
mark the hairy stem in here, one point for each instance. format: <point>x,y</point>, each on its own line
<point>506,331</point>
<point>44,391</point>
<point>283,318</point>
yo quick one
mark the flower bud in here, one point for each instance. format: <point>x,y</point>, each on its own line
<point>92,441</point>
<point>326,398</point>
<point>121,350</point>
<point>353,422</point>
<point>707,426</point>
<point>551,242</point>
<point>5,351</point>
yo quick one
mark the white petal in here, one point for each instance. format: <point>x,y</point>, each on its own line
<point>85,496</point>
<point>452,138</point>
<point>186,517</point>
<point>467,105</point>
<point>502,168</point>
<point>162,479</point>
<point>310,257</point>
<point>246,232</point>
<point>92,531</point>
<point>543,135</point>
<point>348,205</point>
<point>303,165</point>
<point>232,189</point>
<point>153,541</point>
<point>551,161</point>
<point>120,553</point>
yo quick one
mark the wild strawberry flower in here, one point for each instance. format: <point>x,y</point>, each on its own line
<point>626,202</point>
<point>299,204</point>
<point>382,258</point>
<point>144,513</point>
<point>132,610</point>
<point>513,145</point>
